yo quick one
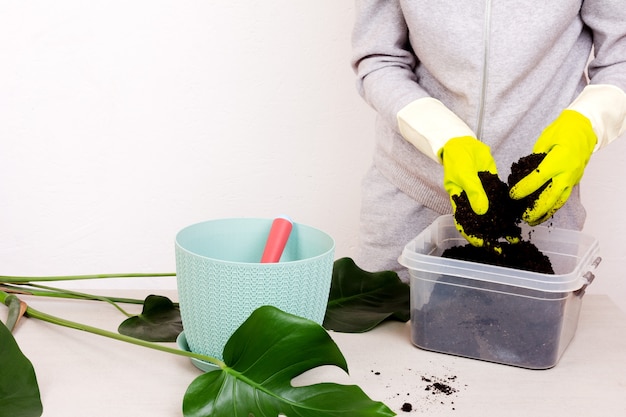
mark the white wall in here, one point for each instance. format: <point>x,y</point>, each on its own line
<point>604,196</point>
<point>123,121</point>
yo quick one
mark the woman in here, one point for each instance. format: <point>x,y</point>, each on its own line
<point>460,87</point>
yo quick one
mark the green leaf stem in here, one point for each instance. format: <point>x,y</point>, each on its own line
<point>36,314</point>
<point>37,290</point>
<point>10,279</point>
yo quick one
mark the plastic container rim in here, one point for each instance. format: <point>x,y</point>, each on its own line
<point>571,281</point>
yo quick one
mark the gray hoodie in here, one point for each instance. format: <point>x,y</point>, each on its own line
<point>506,68</point>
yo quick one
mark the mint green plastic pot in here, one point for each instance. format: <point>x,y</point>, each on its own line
<point>221,281</point>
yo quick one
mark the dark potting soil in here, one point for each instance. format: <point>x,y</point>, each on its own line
<point>500,222</point>
<point>490,324</point>
<point>524,166</point>
<point>523,255</point>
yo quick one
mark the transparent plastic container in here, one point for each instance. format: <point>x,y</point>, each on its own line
<point>494,313</point>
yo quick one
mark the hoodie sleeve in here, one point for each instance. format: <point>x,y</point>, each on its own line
<point>382,58</point>
<point>607,21</point>
<point>603,101</point>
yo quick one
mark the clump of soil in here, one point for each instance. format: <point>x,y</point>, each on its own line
<point>524,166</point>
<point>501,223</point>
<point>439,387</point>
<point>523,255</point>
<point>501,218</point>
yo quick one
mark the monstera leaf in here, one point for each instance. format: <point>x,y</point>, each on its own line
<point>158,322</point>
<point>262,357</point>
<point>360,300</point>
<point>19,392</point>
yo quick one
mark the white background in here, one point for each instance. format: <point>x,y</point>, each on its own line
<point>122,122</point>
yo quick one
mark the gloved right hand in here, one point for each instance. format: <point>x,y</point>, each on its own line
<point>463,158</point>
<point>568,144</point>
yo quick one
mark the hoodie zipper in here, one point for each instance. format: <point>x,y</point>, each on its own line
<point>485,73</point>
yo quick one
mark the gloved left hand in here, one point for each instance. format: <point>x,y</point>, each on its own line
<point>568,144</point>
<point>463,158</point>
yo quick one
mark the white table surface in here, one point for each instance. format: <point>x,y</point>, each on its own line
<point>81,374</point>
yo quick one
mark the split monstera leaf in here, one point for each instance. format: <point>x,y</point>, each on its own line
<point>289,347</point>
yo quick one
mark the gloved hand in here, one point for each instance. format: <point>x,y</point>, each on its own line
<point>568,144</point>
<point>428,124</point>
<point>463,158</point>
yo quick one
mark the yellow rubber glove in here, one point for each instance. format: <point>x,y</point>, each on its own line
<point>463,158</point>
<point>568,144</point>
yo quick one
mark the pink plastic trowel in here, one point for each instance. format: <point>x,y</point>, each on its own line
<point>277,239</point>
